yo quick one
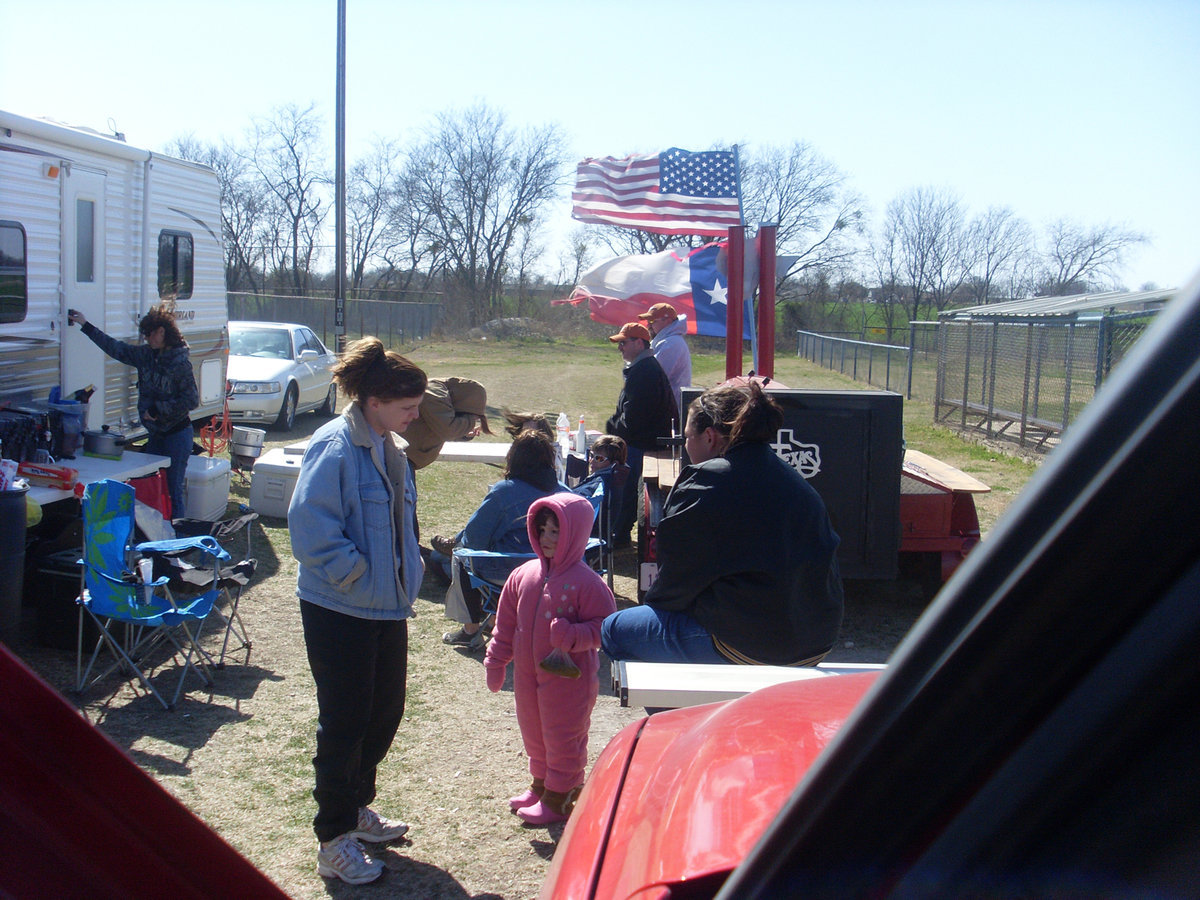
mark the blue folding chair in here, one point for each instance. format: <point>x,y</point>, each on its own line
<point>111,594</point>
<point>490,587</point>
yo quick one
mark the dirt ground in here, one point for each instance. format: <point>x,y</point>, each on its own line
<point>239,754</point>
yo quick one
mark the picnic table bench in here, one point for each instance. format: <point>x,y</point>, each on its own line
<point>674,685</point>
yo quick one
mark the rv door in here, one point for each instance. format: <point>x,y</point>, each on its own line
<point>82,282</point>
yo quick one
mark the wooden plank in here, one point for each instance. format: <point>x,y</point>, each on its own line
<point>660,468</point>
<point>922,466</point>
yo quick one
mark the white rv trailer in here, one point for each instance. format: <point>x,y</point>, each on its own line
<point>88,222</point>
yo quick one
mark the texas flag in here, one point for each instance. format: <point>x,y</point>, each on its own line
<point>695,282</point>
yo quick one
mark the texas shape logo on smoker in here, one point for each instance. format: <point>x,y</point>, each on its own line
<point>805,458</point>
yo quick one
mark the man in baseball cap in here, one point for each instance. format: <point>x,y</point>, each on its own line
<point>645,410</point>
<point>631,331</point>
<point>667,329</point>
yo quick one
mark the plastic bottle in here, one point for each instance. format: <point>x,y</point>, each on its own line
<point>563,429</point>
<point>581,439</point>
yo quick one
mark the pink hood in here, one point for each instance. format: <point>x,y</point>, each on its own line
<point>575,518</point>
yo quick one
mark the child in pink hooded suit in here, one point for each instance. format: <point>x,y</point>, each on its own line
<point>554,601</point>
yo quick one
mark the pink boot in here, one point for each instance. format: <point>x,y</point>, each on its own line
<point>529,797</point>
<point>553,807</point>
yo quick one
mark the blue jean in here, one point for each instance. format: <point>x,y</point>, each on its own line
<point>178,447</point>
<point>646,634</point>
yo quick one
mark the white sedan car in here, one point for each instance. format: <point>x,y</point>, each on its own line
<point>276,370</point>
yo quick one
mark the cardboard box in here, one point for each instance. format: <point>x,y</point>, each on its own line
<point>206,490</point>
<point>273,481</point>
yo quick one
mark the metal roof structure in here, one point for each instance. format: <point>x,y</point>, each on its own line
<point>1073,306</point>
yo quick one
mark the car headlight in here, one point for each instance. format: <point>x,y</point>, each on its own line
<point>254,387</point>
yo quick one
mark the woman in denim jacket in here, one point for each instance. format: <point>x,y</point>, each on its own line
<point>352,521</point>
<point>498,525</point>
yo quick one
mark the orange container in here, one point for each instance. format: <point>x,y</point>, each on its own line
<point>48,475</point>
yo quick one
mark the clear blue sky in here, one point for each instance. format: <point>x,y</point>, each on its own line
<point>1088,110</point>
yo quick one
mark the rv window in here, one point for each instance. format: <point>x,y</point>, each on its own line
<point>85,241</point>
<point>175,266</point>
<point>14,291</point>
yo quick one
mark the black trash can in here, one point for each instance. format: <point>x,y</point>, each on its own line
<point>12,561</point>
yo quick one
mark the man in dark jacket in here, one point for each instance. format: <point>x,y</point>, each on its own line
<point>645,409</point>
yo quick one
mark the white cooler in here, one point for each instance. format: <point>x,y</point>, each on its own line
<point>272,482</point>
<point>206,494</point>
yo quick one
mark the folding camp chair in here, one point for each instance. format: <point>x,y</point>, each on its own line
<point>604,495</point>
<point>110,593</point>
<point>616,489</point>
<point>230,580</point>
<point>489,587</point>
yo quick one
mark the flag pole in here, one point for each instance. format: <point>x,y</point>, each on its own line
<point>766,300</point>
<point>746,293</point>
<point>733,305</point>
<point>737,181</point>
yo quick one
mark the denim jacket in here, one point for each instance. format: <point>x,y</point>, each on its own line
<point>498,523</point>
<point>345,514</point>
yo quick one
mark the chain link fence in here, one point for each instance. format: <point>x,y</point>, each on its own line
<point>1027,380</point>
<point>881,365</point>
<point>1024,379</point>
<point>392,322</point>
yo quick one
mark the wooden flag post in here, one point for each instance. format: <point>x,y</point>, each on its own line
<point>733,301</point>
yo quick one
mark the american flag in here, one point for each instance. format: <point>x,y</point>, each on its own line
<point>675,192</point>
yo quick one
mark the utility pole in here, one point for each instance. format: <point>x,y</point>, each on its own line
<point>339,290</point>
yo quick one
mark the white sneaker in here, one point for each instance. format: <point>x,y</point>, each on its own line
<point>375,829</point>
<point>344,858</point>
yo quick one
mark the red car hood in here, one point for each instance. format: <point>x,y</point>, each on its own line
<point>687,793</point>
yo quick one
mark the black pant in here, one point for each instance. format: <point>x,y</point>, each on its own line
<point>360,667</point>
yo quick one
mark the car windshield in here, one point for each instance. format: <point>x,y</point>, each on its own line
<point>262,343</point>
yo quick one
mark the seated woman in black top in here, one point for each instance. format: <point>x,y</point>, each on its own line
<point>746,564</point>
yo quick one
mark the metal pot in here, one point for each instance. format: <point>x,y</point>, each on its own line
<point>103,443</point>
<point>247,442</point>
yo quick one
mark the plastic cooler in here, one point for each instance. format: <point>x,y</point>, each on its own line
<point>272,482</point>
<point>207,488</point>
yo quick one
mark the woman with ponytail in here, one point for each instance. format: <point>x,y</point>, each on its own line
<point>352,522</point>
<point>746,554</point>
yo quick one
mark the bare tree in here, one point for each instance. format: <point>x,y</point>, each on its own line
<point>933,255</point>
<point>528,252</point>
<point>370,189</point>
<point>412,257</point>
<point>1079,258</point>
<point>285,154</point>
<point>242,207</point>
<point>806,196</point>
<point>481,183</point>
<point>630,241</point>
<point>1000,239</point>
<point>954,254</point>
<point>885,265</point>
<point>578,256</point>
